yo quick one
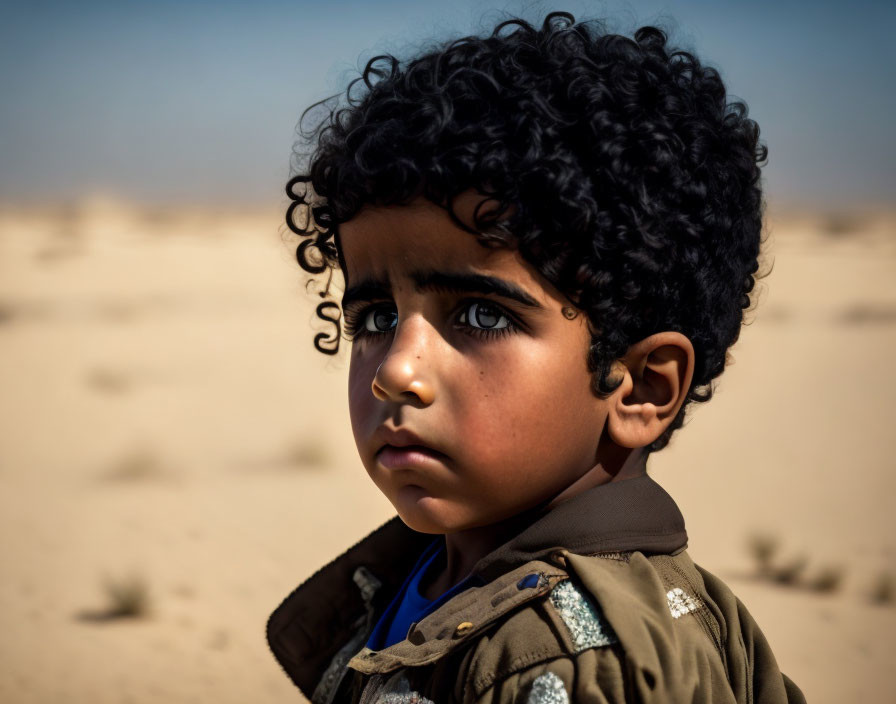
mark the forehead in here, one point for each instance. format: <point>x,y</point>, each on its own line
<point>381,240</point>
<point>393,246</point>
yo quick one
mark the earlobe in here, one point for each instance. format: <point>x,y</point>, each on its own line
<point>657,374</point>
<point>629,423</point>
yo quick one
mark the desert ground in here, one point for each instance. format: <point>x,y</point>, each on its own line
<point>175,457</point>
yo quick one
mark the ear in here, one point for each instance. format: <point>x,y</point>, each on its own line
<point>657,373</point>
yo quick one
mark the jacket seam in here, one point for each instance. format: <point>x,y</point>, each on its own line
<point>624,532</point>
<point>533,657</point>
<point>703,615</point>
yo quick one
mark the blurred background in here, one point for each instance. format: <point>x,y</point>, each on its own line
<point>174,455</point>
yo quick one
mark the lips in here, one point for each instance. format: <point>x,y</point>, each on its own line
<point>409,457</point>
<point>403,449</point>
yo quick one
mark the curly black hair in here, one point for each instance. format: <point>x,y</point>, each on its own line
<point>622,172</point>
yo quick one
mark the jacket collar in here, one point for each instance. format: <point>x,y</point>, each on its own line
<point>327,611</point>
<point>633,514</point>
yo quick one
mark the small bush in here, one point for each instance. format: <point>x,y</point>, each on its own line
<point>139,465</point>
<point>763,548</point>
<point>883,589</point>
<point>307,453</point>
<point>127,597</point>
<point>826,580</point>
<point>109,381</point>
<point>840,224</point>
<point>789,572</point>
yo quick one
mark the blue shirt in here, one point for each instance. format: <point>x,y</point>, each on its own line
<point>409,606</point>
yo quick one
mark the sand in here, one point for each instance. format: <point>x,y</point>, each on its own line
<point>166,424</point>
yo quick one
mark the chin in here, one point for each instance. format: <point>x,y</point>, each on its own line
<point>422,523</point>
<point>422,526</point>
<point>424,513</point>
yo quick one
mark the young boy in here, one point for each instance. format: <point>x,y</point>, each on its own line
<point>548,238</point>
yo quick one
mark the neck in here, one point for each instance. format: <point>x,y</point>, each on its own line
<point>465,548</point>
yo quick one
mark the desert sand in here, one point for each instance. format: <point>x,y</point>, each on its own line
<point>166,424</point>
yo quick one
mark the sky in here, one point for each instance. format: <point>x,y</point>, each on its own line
<point>197,102</point>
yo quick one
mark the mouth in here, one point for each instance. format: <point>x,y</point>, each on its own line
<point>401,448</point>
<point>408,457</point>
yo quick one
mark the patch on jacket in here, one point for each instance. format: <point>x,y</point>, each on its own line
<point>586,624</point>
<point>548,689</point>
<point>394,690</point>
<point>681,603</point>
<point>404,698</point>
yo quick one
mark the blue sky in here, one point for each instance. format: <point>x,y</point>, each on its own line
<point>198,101</point>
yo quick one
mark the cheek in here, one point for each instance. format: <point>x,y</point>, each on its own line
<point>521,405</point>
<point>360,398</point>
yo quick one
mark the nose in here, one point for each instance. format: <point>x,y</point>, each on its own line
<point>404,375</point>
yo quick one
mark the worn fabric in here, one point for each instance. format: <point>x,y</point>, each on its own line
<point>595,601</point>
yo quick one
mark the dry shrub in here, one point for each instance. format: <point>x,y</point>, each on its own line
<point>826,579</point>
<point>763,547</point>
<point>883,589</point>
<point>307,453</point>
<point>138,465</point>
<point>867,314</point>
<point>790,571</point>
<point>109,381</point>
<point>765,550</point>
<point>126,597</point>
<point>840,224</point>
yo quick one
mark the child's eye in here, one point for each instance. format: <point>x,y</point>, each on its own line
<point>379,319</point>
<point>484,316</point>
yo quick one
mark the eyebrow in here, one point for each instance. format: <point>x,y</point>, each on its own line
<point>455,282</point>
<point>462,282</point>
<point>366,291</point>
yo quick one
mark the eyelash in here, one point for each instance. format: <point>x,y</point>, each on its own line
<point>355,330</point>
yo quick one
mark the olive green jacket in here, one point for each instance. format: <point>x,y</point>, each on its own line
<point>596,601</point>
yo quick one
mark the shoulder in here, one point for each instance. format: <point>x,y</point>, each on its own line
<point>540,652</point>
<point>618,627</point>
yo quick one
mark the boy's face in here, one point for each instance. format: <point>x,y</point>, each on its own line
<point>469,403</point>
